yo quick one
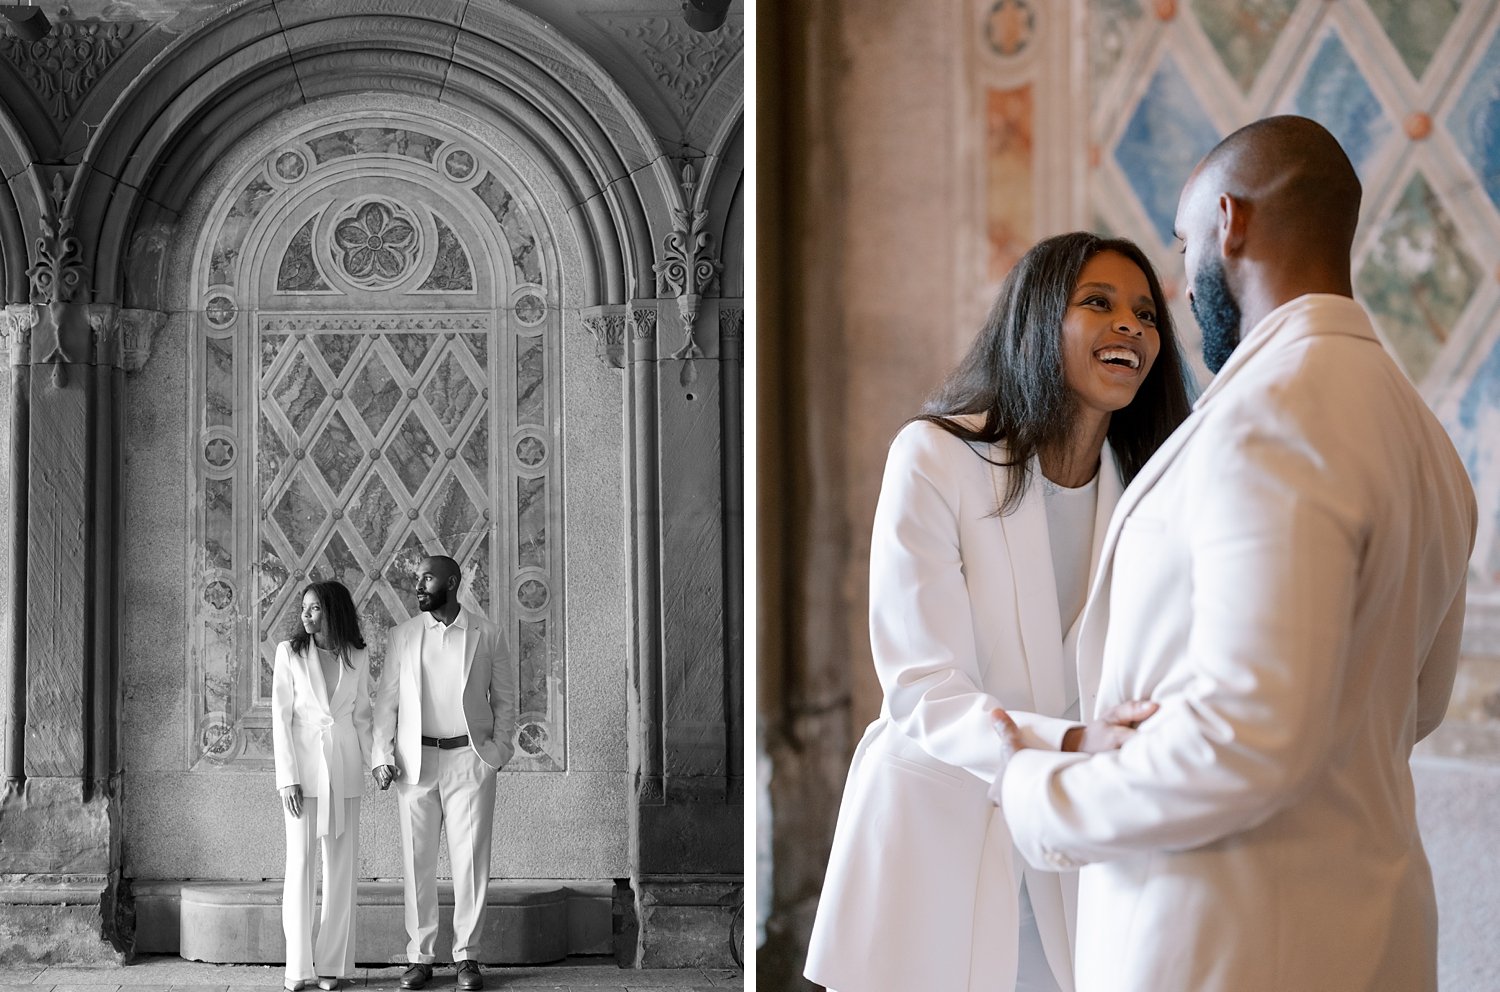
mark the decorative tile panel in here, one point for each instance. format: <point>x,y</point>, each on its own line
<point>1475,120</point>
<point>1417,278</point>
<point>1334,93</point>
<point>1243,32</point>
<point>1168,133</point>
<point>1416,29</point>
<point>362,380</point>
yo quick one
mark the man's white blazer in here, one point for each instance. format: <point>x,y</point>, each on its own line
<point>921,887</point>
<point>489,696</point>
<point>1286,578</point>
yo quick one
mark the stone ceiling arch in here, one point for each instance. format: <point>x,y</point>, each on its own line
<point>206,91</point>
<point>16,156</point>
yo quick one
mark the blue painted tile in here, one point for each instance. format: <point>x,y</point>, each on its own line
<point>1334,93</point>
<point>1168,134</point>
<point>1475,120</point>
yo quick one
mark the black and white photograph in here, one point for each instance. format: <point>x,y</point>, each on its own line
<point>372,570</point>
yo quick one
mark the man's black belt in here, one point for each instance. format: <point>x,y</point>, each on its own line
<point>446,743</point>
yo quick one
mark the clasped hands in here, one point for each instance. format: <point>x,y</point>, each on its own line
<point>1107,733</point>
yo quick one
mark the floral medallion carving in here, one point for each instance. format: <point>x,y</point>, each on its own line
<point>376,243</point>
<point>63,65</point>
<point>684,61</point>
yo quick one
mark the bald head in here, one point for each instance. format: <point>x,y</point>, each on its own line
<point>1266,217</point>
<point>437,586</point>
<point>1297,179</point>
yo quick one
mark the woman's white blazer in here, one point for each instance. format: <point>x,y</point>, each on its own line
<point>321,738</point>
<point>921,890</point>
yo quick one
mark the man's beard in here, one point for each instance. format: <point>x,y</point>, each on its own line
<point>1217,313</point>
<point>431,601</point>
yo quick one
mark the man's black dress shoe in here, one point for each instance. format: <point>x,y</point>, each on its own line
<point>469,977</point>
<point>416,976</point>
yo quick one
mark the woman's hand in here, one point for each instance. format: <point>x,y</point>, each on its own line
<point>1112,730</point>
<point>291,798</point>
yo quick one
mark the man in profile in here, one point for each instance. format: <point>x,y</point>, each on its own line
<point>445,716</point>
<point>1286,579</point>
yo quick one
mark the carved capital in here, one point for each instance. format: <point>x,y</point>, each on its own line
<point>138,329</point>
<point>104,320</point>
<point>731,323</point>
<point>16,322</point>
<point>607,325</point>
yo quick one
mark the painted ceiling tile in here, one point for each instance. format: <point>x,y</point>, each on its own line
<point>1334,93</point>
<point>1111,23</point>
<point>1475,120</point>
<point>1416,29</point>
<point>1167,135</point>
<point>1418,278</point>
<point>1243,32</point>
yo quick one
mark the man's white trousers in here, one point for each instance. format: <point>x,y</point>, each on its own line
<point>455,792</point>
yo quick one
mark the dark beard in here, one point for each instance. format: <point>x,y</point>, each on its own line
<point>1217,313</point>
<point>434,601</point>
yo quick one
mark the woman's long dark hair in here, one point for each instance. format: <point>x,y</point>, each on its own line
<point>340,621</point>
<point>1013,373</point>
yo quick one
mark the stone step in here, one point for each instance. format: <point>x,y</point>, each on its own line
<point>230,922</point>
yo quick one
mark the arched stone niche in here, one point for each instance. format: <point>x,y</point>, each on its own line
<point>403,283</point>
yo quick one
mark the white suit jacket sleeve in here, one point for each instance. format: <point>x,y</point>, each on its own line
<point>387,697</point>
<point>1435,681</point>
<point>1275,546</point>
<point>502,693</point>
<point>363,714</point>
<point>921,624</point>
<point>283,704</point>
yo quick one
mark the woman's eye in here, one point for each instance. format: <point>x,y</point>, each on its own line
<point>1147,316</point>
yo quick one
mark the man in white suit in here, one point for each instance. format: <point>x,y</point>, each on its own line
<point>1286,579</point>
<point>445,715</point>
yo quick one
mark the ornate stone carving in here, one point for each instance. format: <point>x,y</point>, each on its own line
<point>608,330</point>
<point>732,323</point>
<point>682,60</point>
<point>57,277</point>
<point>643,323</point>
<point>688,268</point>
<point>58,272</point>
<point>64,64</point>
<point>376,244</point>
<point>16,322</point>
<point>138,329</point>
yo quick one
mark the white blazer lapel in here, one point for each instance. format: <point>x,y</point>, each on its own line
<point>1093,626</point>
<point>1036,591</point>
<point>471,644</point>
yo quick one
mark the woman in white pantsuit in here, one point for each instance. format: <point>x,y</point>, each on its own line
<point>991,513</point>
<point>320,704</point>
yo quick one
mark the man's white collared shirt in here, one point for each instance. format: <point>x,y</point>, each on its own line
<point>443,676</point>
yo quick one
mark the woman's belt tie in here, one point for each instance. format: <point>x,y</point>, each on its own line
<point>332,793</point>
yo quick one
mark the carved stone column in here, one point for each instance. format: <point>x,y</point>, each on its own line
<point>60,816</point>
<point>689,868</point>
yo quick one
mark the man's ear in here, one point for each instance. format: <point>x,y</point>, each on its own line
<point>1233,222</point>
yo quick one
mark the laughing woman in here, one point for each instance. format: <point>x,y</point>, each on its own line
<point>320,705</point>
<point>994,504</point>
